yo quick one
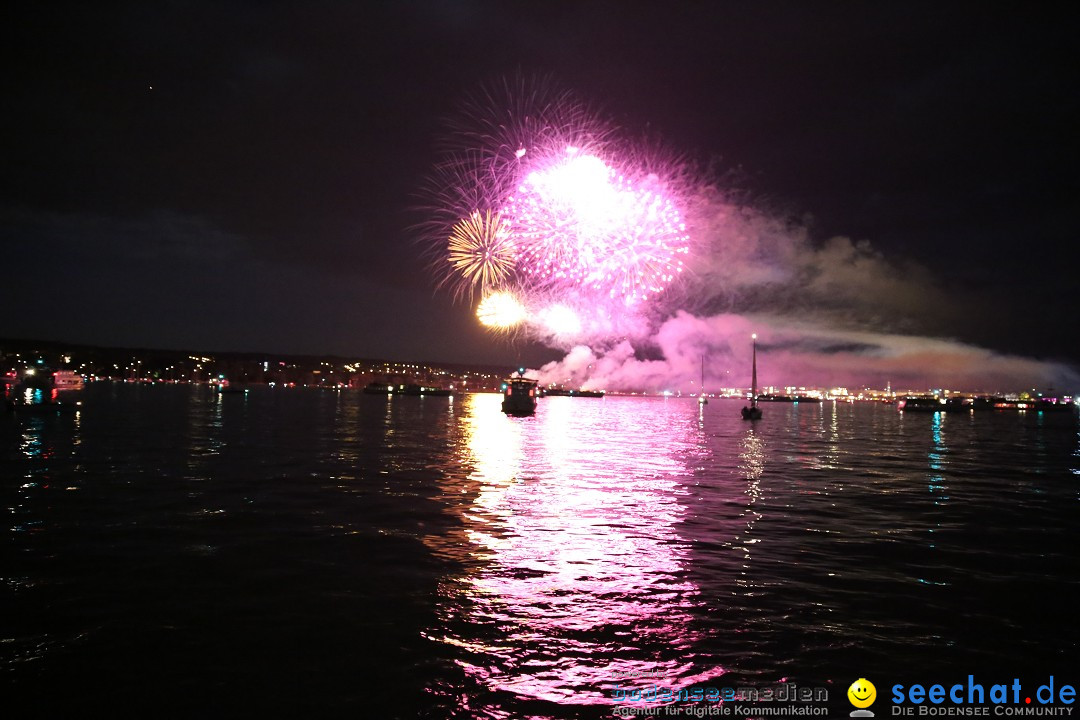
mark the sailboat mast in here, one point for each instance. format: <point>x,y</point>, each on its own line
<point>753,377</point>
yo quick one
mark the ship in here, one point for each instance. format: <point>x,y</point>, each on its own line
<point>789,398</point>
<point>923,404</point>
<point>753,412</point>
<point>519,394</point>
<point>42,389</point>
<point>231,388</point>
<point>563,392</point>
<point>968,404</point>
<point>377,388</point>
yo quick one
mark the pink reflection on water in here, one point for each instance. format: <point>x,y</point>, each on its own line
<point>579,576</point>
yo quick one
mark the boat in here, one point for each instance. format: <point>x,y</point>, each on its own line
<point>224,387</point>
<point>519,394</point>
<point>923,404</point>
<point>789,398</point>
<point>917,403</point>
<point>377,388</point>
<point>67,381</point>
<point>1053,406</point>
<point>753,412</point>
<point>41,389</point>
<point>563,392</point>
<point>702,400</point>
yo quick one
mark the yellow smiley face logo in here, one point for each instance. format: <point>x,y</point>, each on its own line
<point>862,693</point>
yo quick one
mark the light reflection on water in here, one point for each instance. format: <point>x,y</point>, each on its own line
<point>609,546</point>
<point>578,577</point>
<point>752,465</point>
<point>938,459</point>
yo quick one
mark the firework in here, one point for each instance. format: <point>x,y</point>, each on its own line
<point>539,205</point>
<point>480,249</point>
<point>501,311</point>
<point>578,221</point>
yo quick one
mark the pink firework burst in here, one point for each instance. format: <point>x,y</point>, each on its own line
<point>579,222</point>
<point>537,195</point>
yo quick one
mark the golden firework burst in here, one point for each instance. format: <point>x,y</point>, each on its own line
<point>481,249</point>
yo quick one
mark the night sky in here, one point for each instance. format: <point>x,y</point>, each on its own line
<point>231,176</point>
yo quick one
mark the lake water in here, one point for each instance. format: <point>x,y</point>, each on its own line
<point>176,552</point>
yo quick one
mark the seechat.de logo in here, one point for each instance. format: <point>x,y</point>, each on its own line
<point>862,694</point>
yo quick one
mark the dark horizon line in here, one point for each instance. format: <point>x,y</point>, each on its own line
<point>247,354</point>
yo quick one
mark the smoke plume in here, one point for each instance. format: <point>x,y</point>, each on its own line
<point>827,314</point>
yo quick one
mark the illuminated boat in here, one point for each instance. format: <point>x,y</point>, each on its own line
<point>225,387</point>
<point>923,404</point>
<point>519,395</point>
<point>934,404</point>
<point>39,388</point>
<point>1054,405</point>
<point>753,412</point>
<point>563,392</point>
<point>377,388</point>
<point>789,398</point>
<point>968,404</point>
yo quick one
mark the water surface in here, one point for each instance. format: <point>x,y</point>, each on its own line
<point>179,552</point>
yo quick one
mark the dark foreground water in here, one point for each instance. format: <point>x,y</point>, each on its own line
<point>173,552</point>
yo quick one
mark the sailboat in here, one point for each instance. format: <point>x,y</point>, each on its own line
<point>702,400</point>
<point>753,412</point>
